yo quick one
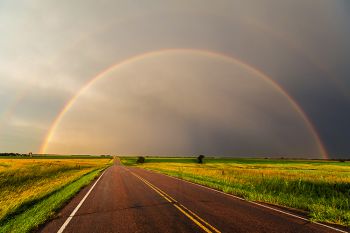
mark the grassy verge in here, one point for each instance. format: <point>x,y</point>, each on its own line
<point>32,189</point>
<point>322,188</point>
<point>38,213</point>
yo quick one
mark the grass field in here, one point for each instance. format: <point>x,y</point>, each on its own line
<point>322,188</point>
<point>36,187</point>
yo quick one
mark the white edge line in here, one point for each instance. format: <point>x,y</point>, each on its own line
<point>255,203</point>
<point>65,224</point>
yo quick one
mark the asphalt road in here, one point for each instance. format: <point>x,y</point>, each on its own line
<point>128,200</point>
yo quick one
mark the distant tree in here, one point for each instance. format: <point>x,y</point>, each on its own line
<point>200,158</point>
<point>30,154</point>
<point>140,159</point>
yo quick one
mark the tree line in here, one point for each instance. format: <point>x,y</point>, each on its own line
<point>16,154</point>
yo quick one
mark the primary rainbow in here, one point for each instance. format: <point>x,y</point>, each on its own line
<point>254,70</point>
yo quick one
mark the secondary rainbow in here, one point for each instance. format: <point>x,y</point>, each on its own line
<point>132,59</point>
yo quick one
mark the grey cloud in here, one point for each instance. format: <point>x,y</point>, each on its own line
<point>54,48</point>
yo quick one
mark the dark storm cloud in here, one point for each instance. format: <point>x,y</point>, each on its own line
<point>53,48</point>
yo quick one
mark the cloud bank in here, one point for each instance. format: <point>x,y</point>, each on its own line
<point>50,50</point>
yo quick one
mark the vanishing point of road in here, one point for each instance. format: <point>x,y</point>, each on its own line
<point>126,199</point>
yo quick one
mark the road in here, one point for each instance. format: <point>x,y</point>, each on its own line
<point>127,199</point>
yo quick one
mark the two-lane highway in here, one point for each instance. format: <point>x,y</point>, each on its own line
<point>128,199</point>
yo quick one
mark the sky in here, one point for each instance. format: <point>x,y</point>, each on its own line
<point>227,78</point>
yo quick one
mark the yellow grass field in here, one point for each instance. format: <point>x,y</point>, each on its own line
<point>322,188</point>
<point>24,182</point>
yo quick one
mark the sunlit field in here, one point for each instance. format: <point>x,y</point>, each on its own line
<point>321,188</point>
<point>27,183</point>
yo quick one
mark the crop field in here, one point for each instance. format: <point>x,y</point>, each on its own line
<point>36,187</point>
<point>320,188</point>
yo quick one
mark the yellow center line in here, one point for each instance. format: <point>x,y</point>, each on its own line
<point>182,206</point>
<point>188,213</point>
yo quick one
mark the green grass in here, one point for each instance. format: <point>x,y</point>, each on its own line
<point>31,182</point>
<point>38,213</point>
<point>322,188</point>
